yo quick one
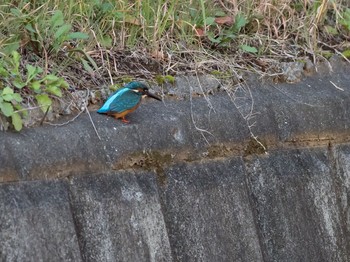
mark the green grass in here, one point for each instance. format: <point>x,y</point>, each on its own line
<point>94,43</point>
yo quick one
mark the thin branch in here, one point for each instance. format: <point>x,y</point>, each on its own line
<point>92,122</point>
<point>65,123</point>
<point>47,110</point>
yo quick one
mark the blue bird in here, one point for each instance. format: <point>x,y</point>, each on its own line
<point>126,100</point>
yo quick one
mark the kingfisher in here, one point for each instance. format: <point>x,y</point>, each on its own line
<point>126,100</point>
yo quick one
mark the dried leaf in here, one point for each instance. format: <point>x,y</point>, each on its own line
<point>132,20</point>
<point>199,32</point>
<point>158,54</point>
<point>224,20</point>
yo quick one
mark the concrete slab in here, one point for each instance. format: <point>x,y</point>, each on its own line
<point>296,207</point>
<point>342,192</point>
<point>119,218</point>
<point>36,223</point>
<point>208,214</point>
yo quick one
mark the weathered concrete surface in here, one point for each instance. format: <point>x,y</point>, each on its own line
<point>296,206</point>
<point>119,218</point>
<point>36,223</point>
<point>187,86</point>
<point>207,210</point>
<point>185,180</point>
<point>312,110</point>
<point>341,176</point>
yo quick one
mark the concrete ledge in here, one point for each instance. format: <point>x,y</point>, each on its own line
<point>186,181</point>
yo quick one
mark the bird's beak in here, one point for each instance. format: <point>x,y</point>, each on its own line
<point>153,95</point>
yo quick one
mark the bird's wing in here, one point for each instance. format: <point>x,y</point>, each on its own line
<point>123,101</point>
<point>106,105</point>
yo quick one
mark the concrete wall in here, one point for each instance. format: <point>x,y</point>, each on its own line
<point>185,180</point>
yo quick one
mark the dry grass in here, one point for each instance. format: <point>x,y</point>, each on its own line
<point>142,39</point>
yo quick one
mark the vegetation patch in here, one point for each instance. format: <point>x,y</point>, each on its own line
<point>51,49</point>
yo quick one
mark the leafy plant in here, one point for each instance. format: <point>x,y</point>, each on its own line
<point>221,28</point>
<point>248,49</point>
<point>14,83</point>
<point>8,100</point>
<point>161,80</point>
<point>345,21</point>
<point>47,34</point>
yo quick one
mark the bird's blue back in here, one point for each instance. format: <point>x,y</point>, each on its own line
<point>120,101</point>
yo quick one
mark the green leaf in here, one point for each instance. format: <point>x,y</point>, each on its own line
<point>7,91</point>
<point>345,21</point>
<point>9,47</point>
<point>119,15</point>
<point>15,58</point>
<point>6,108</point>
<point>18,83</point>
<point>220,13</point>
<point>3,72</point>
<point>346,53</point>
<point>30,28</point>
<point>51,78</point>
<point>240,21</point>
<point>63,83</point>
<point>7,96</point>
<point>106,7</point>
<point>210,21</point>
<point>92,61</point>
<point>44,101</point>
<point>35,85</point>
<point>86,66</point>
<point>16,12</point>
<point>64,29</point>
<point>57,19</point>
<point>17,121</point>
<point>331,30</point>
<point>212,38</point>
<point>17,97</point>
<point>32,71</point>
<point>249,49</point>
<point>77,35</point>
<point>106,41</point>
<point>55,90</point>
<point>24,113</point>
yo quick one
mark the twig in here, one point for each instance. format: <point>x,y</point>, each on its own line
<point>92,122</point>
<point>335,50</point>
<point>249,116</point>
<point>29,108</point>
<point>65,123</point>
<point>337,87</point>
<point>192,117</point>
<point>295,100</point>
<point>47,110</point>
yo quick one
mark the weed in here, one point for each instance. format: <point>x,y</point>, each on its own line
<point>15,86</point>
<point>41,33</point>
<point>94,40</point>
<point>345,20</point>
<point>163,79</point>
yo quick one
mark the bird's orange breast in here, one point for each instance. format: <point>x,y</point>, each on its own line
<point>124,113</point>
